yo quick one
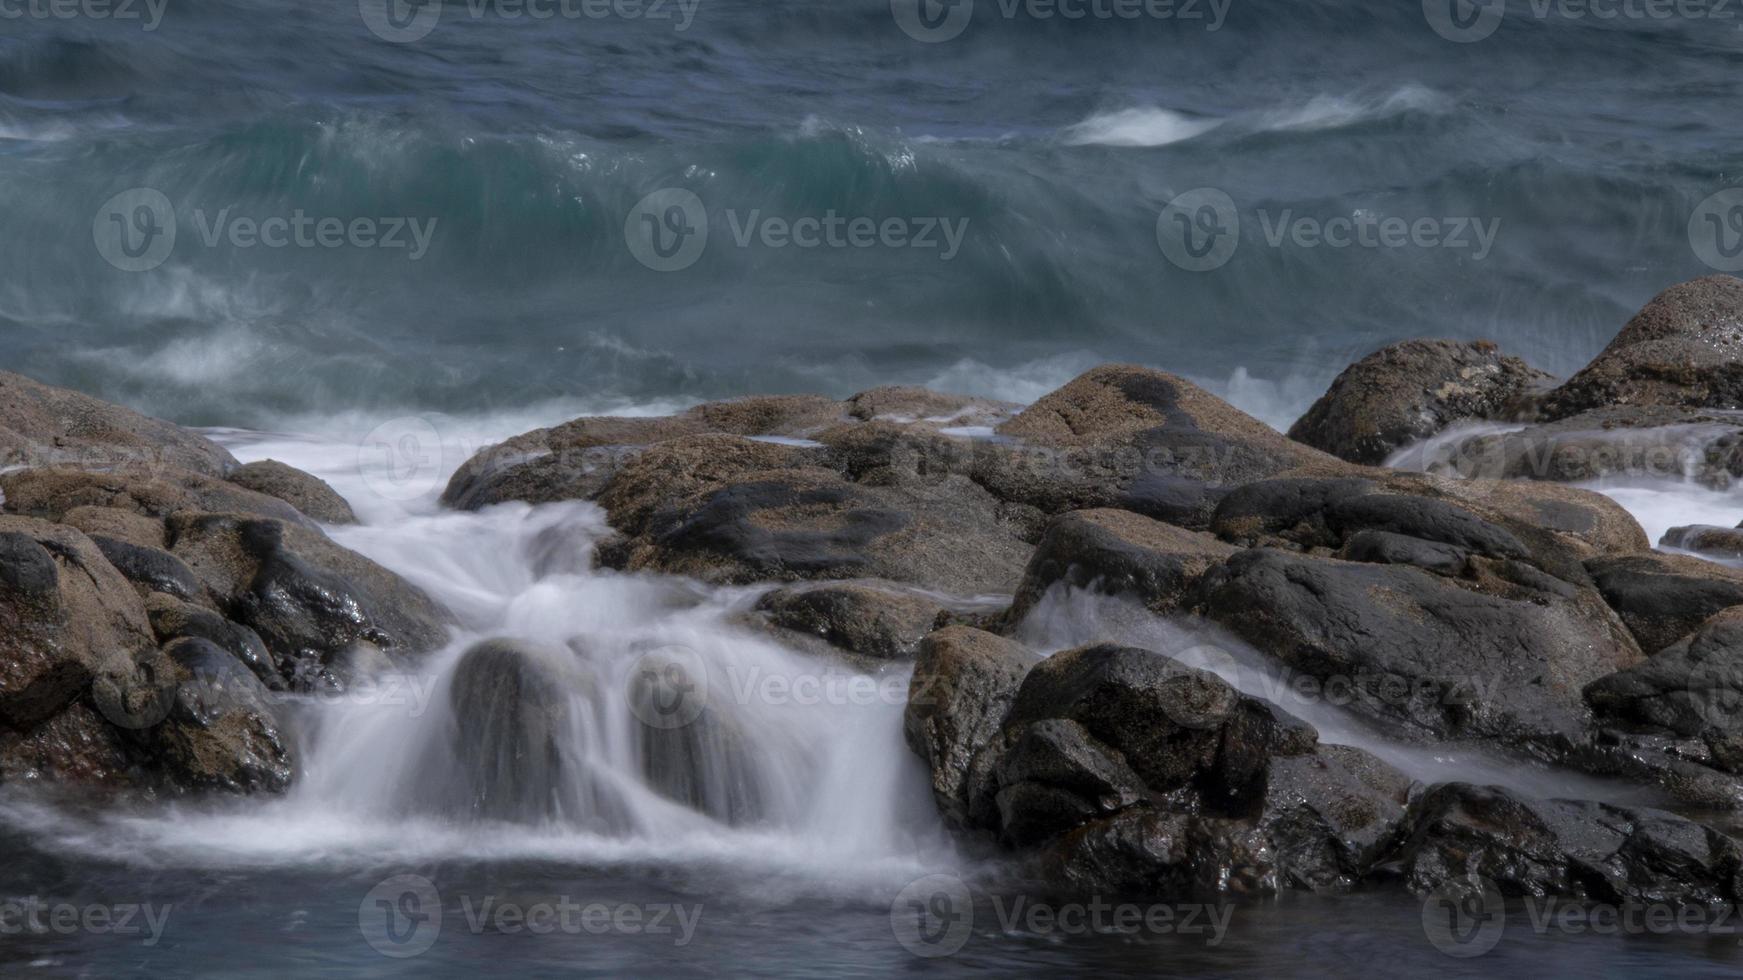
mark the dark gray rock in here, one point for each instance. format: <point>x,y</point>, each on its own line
<point>1692,688</point>
<point>512,713</point>
<point>152,569</point>
<point>1662,597</point>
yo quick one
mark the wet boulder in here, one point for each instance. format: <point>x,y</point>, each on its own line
<point>76,747</point>
<point>1140,440</point>
<point>964,680</point>
<point>150,569</point>
<point>691,744</point>
<point>1692,688</point>
<point>173,619</point>
<point>872,619</point>
<point>1115,552</point>
<point>1407,392</point>
<point>1463,838</point>
<point>1501,657</point>
<point>66,617</point>
<point>730,510</point>
<point>1663,597</point>
<point>1623,441</point>
<point>512,713</point>
<point>1684,349</point>
<point>1720,543</point>
<point>221,731</point>
<point>307,598</point>
<point>307,493</point>
<point>56,428</point>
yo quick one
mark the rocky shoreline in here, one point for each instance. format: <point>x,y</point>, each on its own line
<point>157,598</point>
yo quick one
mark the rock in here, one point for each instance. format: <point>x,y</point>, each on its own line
<point>511,707</point>
<point>872,619</point>
<point>66,617</point>
<point>963,682</point>
<point>172,619</point>
<point>221,733</point>
<point>1140,440</point>
<point>158,493</point>
<point>76,747</point>
<point>1462,835</point>
<point>1407,392</point>
<point>1692,688</point>
<point>692,748</point>
<point>906,405</point>
<point>1504,657</point>
<point>1327,819</point>
<point>1117,551</point>
<point>1663,598</point>
<point>306,597</point>
<point>1627,441</point>
<point>1716,542</point>
<point>308,494</point>
<point>1436,524</point>
<point>575,460</point>
<point>729,510</point>
<point>151,569</point>
<point>56,428</point>
<point>1680,351</point>
<point>114,522</point>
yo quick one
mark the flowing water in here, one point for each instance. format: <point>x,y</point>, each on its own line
<point>799,817</point>
<point>514,152</point>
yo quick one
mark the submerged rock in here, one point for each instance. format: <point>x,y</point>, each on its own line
<point>1626,441</point>
<point>1407,392</point>
<point>1724,543</point>
<point>512,716</point>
